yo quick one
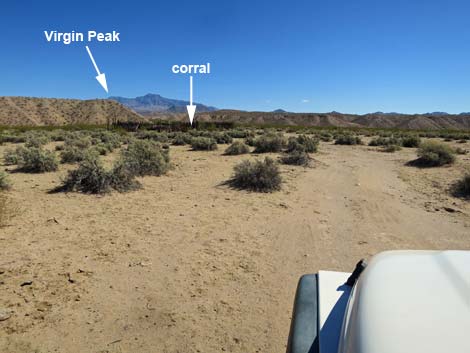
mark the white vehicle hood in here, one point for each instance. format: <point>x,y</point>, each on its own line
<point>410,301</point>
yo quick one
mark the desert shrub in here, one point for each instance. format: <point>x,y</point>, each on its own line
<point>78,140</point>
<point>385,141</point>
<point>13,156</point>
<point>326,137</point>
<point>302,143</point>
<point>73,154</point>
<point>296,157</point>
<point>36,140</point>
<point>37,160</point>
<point>463,186</point>
<point>60,147</point>
<point>203,144</point>
<point>462,141</point>
<point>237,148</point>
<point>58,135</point>
<point>411,141</point>
<point>250,141</point>
<point>152,135</point>
<point>433,154</point>
<point>90,177</point>
<point>271,142</point>
<point>260,176</point>
<point>122,177</point>
<point>239,133</point>
<point>101,149</point>
<point>146,158</point>
<point>223,138</point>
<point>459,150</point>
<point>5,183</point>
<point>348,140</point>
<point>108,139</point>
<point>11,138</point>
<point>181,139</point>
<point>391,148</point>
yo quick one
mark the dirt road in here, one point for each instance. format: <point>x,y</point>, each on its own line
<point>189,265</point>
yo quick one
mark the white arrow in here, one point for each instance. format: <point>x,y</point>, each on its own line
<point>191,108</point>
<point>101,76</point>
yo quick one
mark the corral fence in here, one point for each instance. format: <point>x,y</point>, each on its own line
<point>173,126</point>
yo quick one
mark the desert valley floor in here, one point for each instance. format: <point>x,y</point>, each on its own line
<point>187,264</point>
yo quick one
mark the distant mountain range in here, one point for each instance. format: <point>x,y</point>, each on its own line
<point>52,111</point>
<point>152,104</point>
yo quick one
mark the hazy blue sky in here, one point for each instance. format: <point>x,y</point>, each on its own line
<point>347,55</point>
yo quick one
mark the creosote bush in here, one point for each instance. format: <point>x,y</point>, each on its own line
<point>146,157</point>
<point>36,139</point>
<point>237,148</point>
<point>122,178</point>
<point>411,141</point>
<point>434,154</point>
<point>302,143</point>
<point>90,177</point>
<point>271,142</point>
<point>37,160</point>
<point>259,176</point>
<point>463,187</point>
<point>296,157</point>
<point>73,154</point>
<point>385,141</point>
<point>203,144</point>
<point>13,156</point>
<point>348,140</point>
<point>181,139</point>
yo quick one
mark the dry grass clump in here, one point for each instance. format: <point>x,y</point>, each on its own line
<point>237,148</point>
<point>434,154</point>
<point>5,182</point>
<point>203,144</point>
<point>259,176</point>
<point>7,211</point>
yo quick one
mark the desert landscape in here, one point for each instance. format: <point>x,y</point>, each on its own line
<point>192,259</point>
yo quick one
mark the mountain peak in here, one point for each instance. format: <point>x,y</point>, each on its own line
<point>152,103</point>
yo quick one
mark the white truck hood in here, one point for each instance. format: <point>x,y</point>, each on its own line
<point>410,301</point>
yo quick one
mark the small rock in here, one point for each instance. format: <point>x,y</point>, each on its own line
<point>4,314</point>
<point>450,209</point>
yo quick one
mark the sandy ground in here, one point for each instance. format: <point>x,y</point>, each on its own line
<point>188,265</point>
